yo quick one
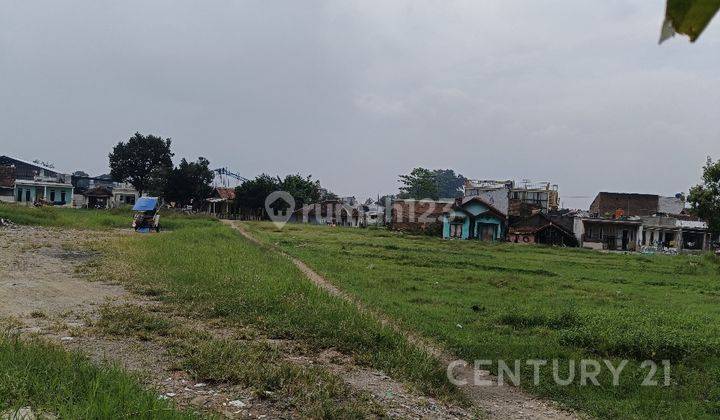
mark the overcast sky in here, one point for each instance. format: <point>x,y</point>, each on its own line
<point>356,92</point>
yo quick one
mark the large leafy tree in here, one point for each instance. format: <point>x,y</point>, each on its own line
<point>189,182</point>
<point>252,193</point>
<point>419,184</point>
<point>303,189</point>
<point>423,183</point>
<point>448,183</point>
<point>141,160</point>
<point>704,198</point>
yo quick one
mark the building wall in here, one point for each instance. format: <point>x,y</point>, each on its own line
<point>631,204</point>
<point>417,214</point>
<point>498,198</point>
<point>24,189</point>
<point>671,205</point>
<point>521,238</point>
<point>601,231</point>
<point>6,195</point>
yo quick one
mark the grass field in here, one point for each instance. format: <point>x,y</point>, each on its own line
<point>504,301</point>
<point>207,271</point>
<point>91,219</point>
<point>214,273</point>
<point>67,385</point>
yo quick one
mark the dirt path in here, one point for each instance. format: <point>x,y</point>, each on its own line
<point>43,294</point>
<point>502,402</point>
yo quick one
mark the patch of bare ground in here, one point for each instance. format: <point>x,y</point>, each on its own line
<point>43,292</point>
<point>497,401</point>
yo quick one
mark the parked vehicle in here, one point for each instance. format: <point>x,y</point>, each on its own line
<point>147,216</point>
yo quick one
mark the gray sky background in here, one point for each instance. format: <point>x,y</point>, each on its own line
<point>357,92</point>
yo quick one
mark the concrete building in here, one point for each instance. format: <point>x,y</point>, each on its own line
<point>34,183</point>
<point>610,234</point>
<point>102,192</point>
<point>474,219</point>
<point>640,222</point>
<point>661,232</point>
<point>512,199</point>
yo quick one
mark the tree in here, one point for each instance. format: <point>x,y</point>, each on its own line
<point>303,189</point>
<point>704,198</point>
<point>419,184</point>
<point>252,193</point>
<point>141,160</point>
<point>189,182</point>
<point>448,183</point>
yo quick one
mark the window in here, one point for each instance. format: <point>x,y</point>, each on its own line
<point>652,238</point>
<point>589,232</point>
<point>19,197</point>
<point>644,238</point>
<point>52,196</point>
<point>63,196</point>
<point>27,195</point>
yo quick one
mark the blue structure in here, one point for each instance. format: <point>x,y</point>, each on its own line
<point>146,204</point>
<point>474,219</point>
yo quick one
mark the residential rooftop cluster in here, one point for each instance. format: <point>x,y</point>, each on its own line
<point>488,210</point>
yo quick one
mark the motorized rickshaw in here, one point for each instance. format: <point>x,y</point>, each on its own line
<point>147,215</point>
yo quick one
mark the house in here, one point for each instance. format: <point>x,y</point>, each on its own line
<point>473,218</point>
<point>631,222</point>
<point>34,183</point>
<point>619,233</point>
<point>371,214</point>
<point>493,192</point>
<point>539,229</point>
<point>221,201</point>
<point>327,212</point>
<point>539,195</point>
<point>102,192</point>
<point>512,199</point>
<point>124,194</point>
<point>98,197</point>
<point>418,216</point>
<point>676,232</point>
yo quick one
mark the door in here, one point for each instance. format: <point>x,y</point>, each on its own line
<point>625,240</point>
<point>486,232</point>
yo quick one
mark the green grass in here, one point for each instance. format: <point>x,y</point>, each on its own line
<point>505,301</point>
<point>51,381</point>
<point>92,219</point>
<point>310,391</point>
<point>213,273</point>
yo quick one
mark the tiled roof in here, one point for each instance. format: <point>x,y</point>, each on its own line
<point>225,193</point>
